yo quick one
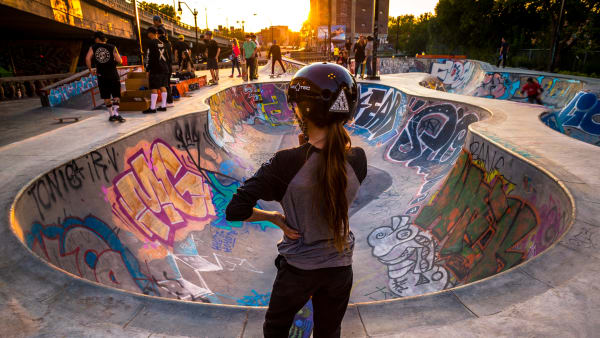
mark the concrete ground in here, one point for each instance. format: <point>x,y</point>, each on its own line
<point>555,294</point>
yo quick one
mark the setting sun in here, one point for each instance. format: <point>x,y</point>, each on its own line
<point>257,14</point>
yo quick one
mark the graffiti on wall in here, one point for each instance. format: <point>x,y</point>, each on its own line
<point>235,106</point>
<point>454,74</point>
<point>90,249</point>
<point>472,228</point>
<point>431,139</point>
<point>379,113</point>
<point>507,86</point>
<point>162,195</point>
<point>401,65</point>
<point>581,118</point>
<point>65,92</point>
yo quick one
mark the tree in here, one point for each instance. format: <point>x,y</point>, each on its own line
<point>167,10</point>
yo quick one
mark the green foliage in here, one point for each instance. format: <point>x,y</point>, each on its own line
<point>167,10</point>
<point>475,27</point>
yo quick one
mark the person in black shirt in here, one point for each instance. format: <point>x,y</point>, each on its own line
<point>275,52</point>
<point>359,55</point>
<point>158,69</point>
<point>105,57</point>
<point>162,36</point>
<point>182,55</point>
<point>502,58</point>
<point>212,55</point>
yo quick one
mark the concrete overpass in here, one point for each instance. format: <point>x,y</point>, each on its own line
<point>77,18</point>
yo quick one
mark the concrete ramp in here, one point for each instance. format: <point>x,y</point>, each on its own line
<point>440,208</point>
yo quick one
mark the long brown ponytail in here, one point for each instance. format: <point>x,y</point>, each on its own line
<point>332,181</point>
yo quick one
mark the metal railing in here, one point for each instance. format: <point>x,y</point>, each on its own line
<point>146,14</point>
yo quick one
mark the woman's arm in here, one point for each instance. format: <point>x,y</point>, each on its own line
<point>275,218</point>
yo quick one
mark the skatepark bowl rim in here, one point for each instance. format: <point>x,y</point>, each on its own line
<point>204,110</point>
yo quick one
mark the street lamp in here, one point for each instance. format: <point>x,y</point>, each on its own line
<point>242,22</point>
<point>373,75</point>
<point>194,12</point>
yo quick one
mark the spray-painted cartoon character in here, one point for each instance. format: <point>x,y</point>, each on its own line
<point>409,254</point>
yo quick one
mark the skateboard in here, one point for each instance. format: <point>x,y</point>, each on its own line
<point>244,70</point>
<point>272,76</point>
<point>69,118</point>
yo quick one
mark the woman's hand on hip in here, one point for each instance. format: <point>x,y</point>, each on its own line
<point>279,220</point>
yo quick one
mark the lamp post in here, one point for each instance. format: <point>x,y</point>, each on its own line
<point>242,22</point>
<point>139,32</point>
<point>373,75</point>
<point>556,37</point>
<point>329,31</point>
<point>397,32</point>
<point>194,12</point>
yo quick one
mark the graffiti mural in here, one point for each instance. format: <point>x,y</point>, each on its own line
<point>90,249</point>
<point>410,255</point>
<point>65,92</point>
<point>580,119</point>
<point>158,194</point>
<point>454,74</point>
<point>507,86</point>
<point>474,227</point>
<point>379,113</point>
<point>478,221</point>
<point>431,139</point>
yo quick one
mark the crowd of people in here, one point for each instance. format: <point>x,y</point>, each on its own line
<point>363,55</point>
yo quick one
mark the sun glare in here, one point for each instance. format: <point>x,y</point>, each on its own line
<point>256,14</point>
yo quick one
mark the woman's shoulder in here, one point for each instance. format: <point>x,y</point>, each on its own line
<point>357,152</point>
<point>358,161</point>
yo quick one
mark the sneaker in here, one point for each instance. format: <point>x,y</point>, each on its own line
<point>149,111</point>
<point>239,75</point>
<point>231,75</point>
<point>112,118</point>
<point>119,118</point>
<point>161,109</point>
<point>169,105</point>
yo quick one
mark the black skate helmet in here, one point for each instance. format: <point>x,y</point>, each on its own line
<point>324,92</point>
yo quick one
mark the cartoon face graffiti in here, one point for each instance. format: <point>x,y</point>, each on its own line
<point>409,254</point>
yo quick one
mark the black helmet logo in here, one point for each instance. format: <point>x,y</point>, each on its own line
<point>341,104</point>
<point>298,87</point>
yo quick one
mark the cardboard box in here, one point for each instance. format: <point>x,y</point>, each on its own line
<point>137,75</point>
<point>129,95</point>
<point>136,84</point>
<point>143,104</point>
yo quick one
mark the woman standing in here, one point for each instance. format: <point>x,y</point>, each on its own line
<point>235,54</point>
<point>315,183</point>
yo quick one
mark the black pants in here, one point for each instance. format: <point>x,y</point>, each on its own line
<point>503,60</point>
<point>330,290</point>
<point>534,99</point>
<point>273,65</point>
<point>250,65</point>
<point>358,65</point>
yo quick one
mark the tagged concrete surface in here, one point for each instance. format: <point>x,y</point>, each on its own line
<point>440,208</point>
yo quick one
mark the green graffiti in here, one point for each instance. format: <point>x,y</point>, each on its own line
<point>477,223</point>
<point>221,196</point>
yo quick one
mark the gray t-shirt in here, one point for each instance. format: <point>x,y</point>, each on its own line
<point>288,179</point>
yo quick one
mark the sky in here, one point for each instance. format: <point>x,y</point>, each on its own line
<point>291,13</point>
<point>415,7</point>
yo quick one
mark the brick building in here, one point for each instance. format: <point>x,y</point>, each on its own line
<point>356,15</point>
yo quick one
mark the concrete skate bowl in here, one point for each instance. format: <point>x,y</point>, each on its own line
<point>441,207</point>
<point>573,107</point>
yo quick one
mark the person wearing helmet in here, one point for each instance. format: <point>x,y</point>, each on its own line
<point>315,183</point>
